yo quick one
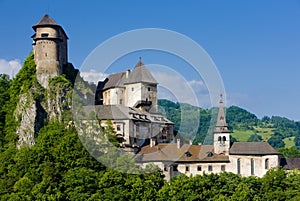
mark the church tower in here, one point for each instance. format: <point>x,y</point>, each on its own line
<point>221,132</point>
<point>50,49</point>
<point>141,89</point>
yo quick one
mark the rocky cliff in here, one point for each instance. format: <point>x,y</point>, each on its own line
<point>34,106</point>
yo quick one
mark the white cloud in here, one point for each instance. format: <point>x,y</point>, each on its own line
<point>174,87</point>
<point>11,67</point>
<point>93,76</point>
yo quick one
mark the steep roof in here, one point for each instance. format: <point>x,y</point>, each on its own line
<point>115,80</point>
<point>170,152</point>
<point>48,21</point>
<point>290,163</point>
<point>252,148</point>
<point>140,74</point>
<point>221,119</point>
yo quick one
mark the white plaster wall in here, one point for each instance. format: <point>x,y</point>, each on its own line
<point>133,94</point>
<point>221,148</point>
<point>259,164</point>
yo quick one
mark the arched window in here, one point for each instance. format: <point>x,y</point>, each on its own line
<point>219,138</point>
<point>239,166</point>
<point>252,166</point>
<point>224,138</point>
<point>267,164</point>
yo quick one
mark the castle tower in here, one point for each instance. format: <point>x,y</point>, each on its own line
<point>221,132</point>
<point>141,89</point>
<point>50,49</point>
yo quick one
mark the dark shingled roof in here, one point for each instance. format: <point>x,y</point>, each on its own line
<point>120,112</point>
<point>115,80</point>
<point>252,148</point>
<point>140,74</point>
<point>170,152</point>
<point>110,111</point>
<point>48,21</point>
<point>290,163</point>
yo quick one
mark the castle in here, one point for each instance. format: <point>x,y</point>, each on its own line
<point>129,100</point>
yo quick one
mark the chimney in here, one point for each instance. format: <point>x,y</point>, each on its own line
<point>152,142</point>
<point>127,73</point>
<point>178,143</point>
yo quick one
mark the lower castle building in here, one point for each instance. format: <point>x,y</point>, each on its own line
<point>244,158</point>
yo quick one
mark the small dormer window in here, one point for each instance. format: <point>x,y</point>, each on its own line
<point>45,35</point>
<point>187,154</point>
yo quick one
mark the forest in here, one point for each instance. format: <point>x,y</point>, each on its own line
<point>58,167</point>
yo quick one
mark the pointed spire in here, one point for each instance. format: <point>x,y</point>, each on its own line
<point>140,63</point>
<point>221,125</point>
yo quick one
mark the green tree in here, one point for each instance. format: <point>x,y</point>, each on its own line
<point>291,152</point>
<point>5,83</point>
<point>254,138</point>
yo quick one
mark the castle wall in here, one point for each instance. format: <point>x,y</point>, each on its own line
<point>133,94</point>
<point>114,96</point>
<point>259,168</point>
<point>149,93</point>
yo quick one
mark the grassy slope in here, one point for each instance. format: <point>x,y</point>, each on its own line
<point>289,142</point>
<point>265,133</point>
<point>242,135</point>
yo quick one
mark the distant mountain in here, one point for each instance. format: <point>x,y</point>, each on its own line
<point>278,131</point>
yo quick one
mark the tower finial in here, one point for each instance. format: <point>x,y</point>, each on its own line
<point>221,98</point>
<point>140,58</point>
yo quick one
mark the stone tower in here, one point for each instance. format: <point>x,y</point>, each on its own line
<point>221,132</point>
<point>141,89</point>
<point>50,49</point>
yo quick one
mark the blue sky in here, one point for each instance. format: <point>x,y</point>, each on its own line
<point>254,44</point>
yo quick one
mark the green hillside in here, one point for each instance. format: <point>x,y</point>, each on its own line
<point>278,131</point>
<point>58,166</point>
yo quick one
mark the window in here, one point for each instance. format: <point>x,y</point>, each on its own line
<point>239,166</point>
<point>44,35</point>
<point>210,168</point>
<point>199,168</point>
<point>187,168</point>
<point>187,154</point>
<point>121,101</point>
<point>118,127</point>
<point>132,89</point>
<point>222,167</point>
<point>222,140</point>
<point>252,166</point>
<point>267,164</point>
<point>165,168</point>
<point>175,167</point>
<point>149,89</point>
